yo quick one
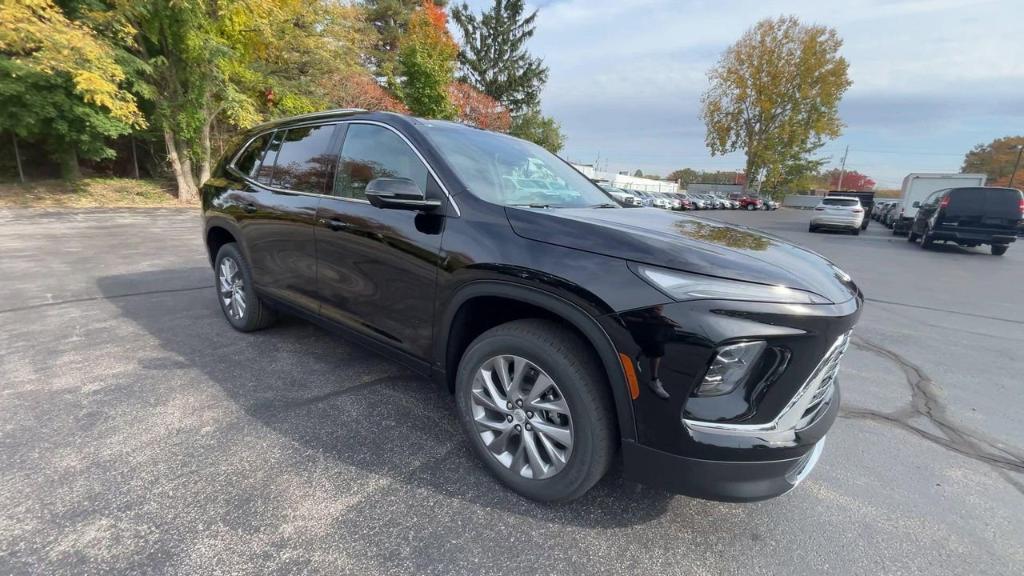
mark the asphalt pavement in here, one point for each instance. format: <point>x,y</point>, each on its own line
<point>139,433</point>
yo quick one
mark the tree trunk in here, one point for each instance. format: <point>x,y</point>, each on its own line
<point>17,158</point>
<point>204,144</point>
<point>182,168</point>
<point>69,164</point>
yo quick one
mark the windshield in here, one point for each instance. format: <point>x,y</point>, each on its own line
<point>512,172</point>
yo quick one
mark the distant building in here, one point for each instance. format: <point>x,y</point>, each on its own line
<point>625,181</point>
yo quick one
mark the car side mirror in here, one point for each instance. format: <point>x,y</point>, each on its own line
<point>399,194</point>
<point>916,204</point>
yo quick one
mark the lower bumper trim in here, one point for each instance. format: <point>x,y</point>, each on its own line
<point>717,480</point>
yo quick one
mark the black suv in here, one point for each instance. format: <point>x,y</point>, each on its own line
<point>567,328</point>
<point>969,217</point>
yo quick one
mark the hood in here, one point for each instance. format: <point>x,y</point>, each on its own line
<point>691,244</point>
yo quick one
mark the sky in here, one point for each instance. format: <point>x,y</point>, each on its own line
<point>931,78</point>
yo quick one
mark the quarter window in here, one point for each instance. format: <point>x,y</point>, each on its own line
<point>266,169</point>
<point>249,158</point>
<point>304,159</point>
<point>372,152</point>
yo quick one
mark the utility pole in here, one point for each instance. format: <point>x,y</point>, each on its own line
<point>1020,148</point>
<point>842,171</point>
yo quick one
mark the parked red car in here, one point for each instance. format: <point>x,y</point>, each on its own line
<point>749,203</point>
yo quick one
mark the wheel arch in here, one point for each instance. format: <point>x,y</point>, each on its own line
<point>220,231</point>
<point>457,328</point>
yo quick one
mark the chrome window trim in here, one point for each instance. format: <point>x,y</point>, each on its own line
<point>782,430</point>
<point>430,170</point>
<point>423,160</point>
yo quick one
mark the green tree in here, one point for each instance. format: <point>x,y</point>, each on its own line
<point>390,20</point>
<point>69,104</point>
<point>775,95</point>
<point>539,129</point>
<point>996,160</point>
<point>426,59</point>
<point>684,176</point>
<point>494,58</point>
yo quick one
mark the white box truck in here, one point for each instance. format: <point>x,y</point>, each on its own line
<point>918,186</point>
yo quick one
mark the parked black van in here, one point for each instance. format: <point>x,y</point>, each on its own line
<point>969,217</point>
<point>568,328</point>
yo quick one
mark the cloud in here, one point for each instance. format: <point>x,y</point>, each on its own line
<point>935,76</point>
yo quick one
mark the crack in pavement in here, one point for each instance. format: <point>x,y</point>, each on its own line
<point>110,297</point>
<point>925,402</point>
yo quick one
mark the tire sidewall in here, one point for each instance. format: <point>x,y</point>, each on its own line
<point>566,483</point>
<point>248,320</point>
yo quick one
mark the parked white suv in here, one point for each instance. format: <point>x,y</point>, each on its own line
<point>838,213</point>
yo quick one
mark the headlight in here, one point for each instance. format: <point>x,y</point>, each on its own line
<point>730,368</point>
<point>684,286</point>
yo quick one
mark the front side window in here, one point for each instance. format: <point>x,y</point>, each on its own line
<point>512,172</point>
<point>304,159</point>
<point>371,151</point>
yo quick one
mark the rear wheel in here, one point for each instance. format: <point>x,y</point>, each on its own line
<point>751,207</point>
<point>533,402</point>
<point>242,307</point>
<point>999,249</point>
<point>926,239</point>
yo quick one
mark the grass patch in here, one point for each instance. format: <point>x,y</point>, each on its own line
<point>88,193</point>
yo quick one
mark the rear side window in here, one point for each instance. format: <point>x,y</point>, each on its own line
<point>999,202</point>
<point>249,158</point>
<point>374,152</point>
<point>841,202</point>
<point>304,160</point>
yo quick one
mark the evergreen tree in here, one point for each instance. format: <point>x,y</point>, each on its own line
<point>494,59</point>
<point>390,18</point>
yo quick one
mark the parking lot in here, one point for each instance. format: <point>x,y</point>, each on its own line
<point>140,433</point>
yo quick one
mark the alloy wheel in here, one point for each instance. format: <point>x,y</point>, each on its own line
<point>231,287</point>
<point>522,417</point>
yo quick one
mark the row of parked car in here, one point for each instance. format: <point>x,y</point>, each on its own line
<point>967,216</point>
<point>886,212</point>
<point>688,201</point>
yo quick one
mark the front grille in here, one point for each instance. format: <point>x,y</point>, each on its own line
<point>822,382</point>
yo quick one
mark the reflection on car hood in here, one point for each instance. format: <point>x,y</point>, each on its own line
<point>687,243</point>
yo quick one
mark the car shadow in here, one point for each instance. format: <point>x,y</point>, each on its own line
<point>337,399</point>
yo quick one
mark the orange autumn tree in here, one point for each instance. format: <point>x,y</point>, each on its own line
<point>478,109</point>
<point>426,59</point>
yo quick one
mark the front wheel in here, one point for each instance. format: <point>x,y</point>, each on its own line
<point>242,307</point>
<point>535,407</point>
<point>751,207</point>
<point>999,249</point>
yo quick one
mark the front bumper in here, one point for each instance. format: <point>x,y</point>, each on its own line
<point>740,446</point>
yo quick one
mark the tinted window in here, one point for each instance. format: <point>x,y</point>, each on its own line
<point>303,162</point>
<point>840,202</point>
<point>995,202</point>
<point>266,169</point>
<point>249,158</point>
<point>375,152</point>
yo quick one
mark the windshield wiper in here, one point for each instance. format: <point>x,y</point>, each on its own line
<point>533,205</point>
<point>604,205</point>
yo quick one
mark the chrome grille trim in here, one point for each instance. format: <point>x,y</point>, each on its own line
<point>802,410</point>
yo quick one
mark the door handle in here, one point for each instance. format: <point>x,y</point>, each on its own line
<point>334,224</point>
<point>248,207</point>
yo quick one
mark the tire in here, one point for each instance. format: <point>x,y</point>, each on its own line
<point>811,229</point>
<point>926,240</point>
<point>999,249</point>
<point>751,207</point>
<point>856,231</point>
<point>580,384</point>
<point>254,314</point>
<point>911,237</point>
